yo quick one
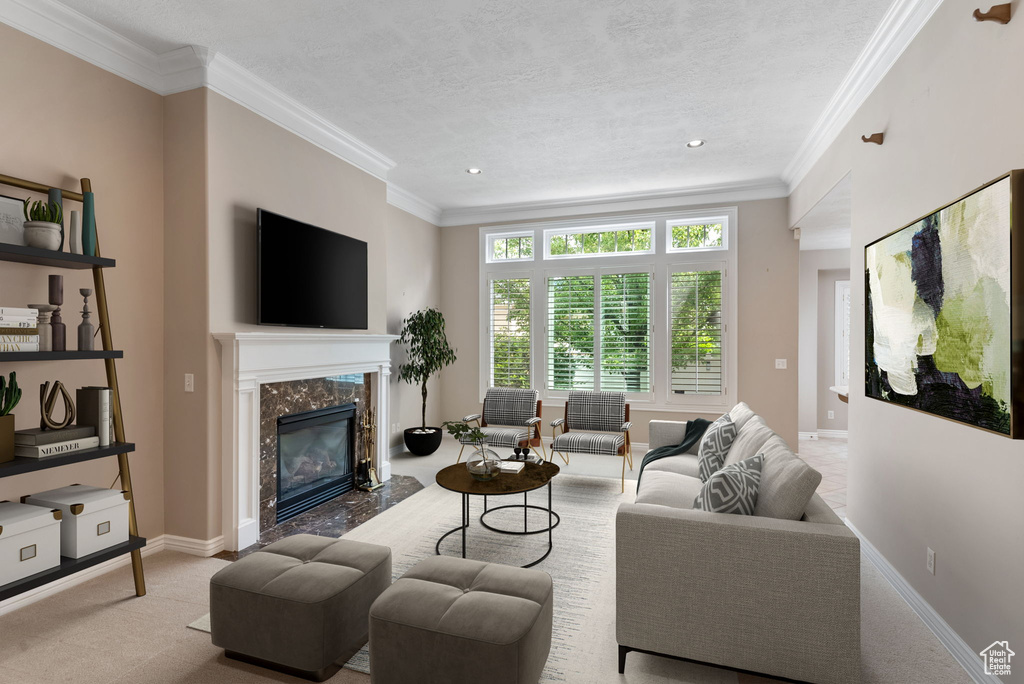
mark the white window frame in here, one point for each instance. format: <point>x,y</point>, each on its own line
<point>589,227</point>
<point>660,261</point>
<point>489,249</point>
<point>680,220</point>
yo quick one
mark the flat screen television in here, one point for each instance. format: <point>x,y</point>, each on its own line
<point>309,277</point>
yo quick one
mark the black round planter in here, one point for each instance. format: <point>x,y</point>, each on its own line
<point>423,444</point>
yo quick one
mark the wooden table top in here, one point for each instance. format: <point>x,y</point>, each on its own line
<point>457,479</point>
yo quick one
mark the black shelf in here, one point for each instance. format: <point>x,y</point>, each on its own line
<point>27,465</point>
<point>60,356</point>
<point>69,566</point>
<point>47,257</point>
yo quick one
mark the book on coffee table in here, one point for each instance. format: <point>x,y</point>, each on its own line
<point>512,466</point>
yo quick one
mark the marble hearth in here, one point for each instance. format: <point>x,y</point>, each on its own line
<point>279,373</point>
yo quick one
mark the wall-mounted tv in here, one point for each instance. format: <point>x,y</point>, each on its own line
<point>309,277</point>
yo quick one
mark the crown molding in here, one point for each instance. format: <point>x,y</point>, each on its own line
<point>768,188</point>
<point>414,204</point>
<point>183,69</point>
<point>898,28</point>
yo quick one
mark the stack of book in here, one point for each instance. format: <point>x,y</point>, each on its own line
<point>37,443</point>
<point>19,329</point>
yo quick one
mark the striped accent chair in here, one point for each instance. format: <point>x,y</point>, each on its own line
<point>594,423</point>
<point>510,418</point>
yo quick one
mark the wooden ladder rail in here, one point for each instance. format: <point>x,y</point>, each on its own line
<point>124,472</point>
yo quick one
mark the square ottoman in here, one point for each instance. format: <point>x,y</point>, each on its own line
<point>299,605</point>
<point>457,621</point>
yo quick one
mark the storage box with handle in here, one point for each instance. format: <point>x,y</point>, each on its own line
<point>29,540</point>
<point>94,518</point>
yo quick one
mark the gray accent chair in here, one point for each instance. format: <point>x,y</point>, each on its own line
<point>774,593</point>
<point>457,621</point>
<point>299,605</point>
<point>594,423</point>
<point>510,418</point>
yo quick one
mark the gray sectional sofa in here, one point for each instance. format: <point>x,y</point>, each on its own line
<point>776,593</point>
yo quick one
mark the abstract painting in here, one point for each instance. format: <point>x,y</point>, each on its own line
<point>938,311</point>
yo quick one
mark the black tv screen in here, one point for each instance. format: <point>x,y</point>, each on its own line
<point>309,277</point>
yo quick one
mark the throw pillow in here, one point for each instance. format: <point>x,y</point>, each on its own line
<point>733,489</point>
<point>715,445</point>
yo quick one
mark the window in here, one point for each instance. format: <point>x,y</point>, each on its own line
<point>626,332</point>
<point>510,332</point>
<point>510,247</point>
<point>599,241</point>
<point>696,306</point>
<point>690,235</point>
<point>571,332</point>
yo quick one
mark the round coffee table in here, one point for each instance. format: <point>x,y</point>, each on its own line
<point>533,476</point>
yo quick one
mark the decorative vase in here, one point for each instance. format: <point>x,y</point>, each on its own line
<point>85,328</point>
<point>44,332</point>
<point>88,224</point>
<point>6,438</point>
<point>57,327</point>
<point>43,235</point>
<point>54,196</point>
<point>483,464</point>
<point>75,233</point>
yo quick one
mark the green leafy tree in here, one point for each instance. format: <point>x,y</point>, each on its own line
<point>571,329</point>
<point>511,335</point>
<point>625,332</point>
<point>428,350</point>
<point>697,327</point>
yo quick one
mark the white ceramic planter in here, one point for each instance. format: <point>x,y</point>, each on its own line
<point>42,234</point>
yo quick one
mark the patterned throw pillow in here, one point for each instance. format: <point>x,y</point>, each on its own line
<point>715,445</point>
<point>733,489</point>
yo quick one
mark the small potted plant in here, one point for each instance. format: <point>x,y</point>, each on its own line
<point>428,352</point>
<point>10,395</point>
<point>483,464</point>
<point>42,224</point>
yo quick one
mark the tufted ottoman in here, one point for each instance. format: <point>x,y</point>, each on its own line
<point>299,605</point>
<point>457,621</point>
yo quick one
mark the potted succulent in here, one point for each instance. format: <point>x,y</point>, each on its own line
<point>10,395</point>
<point>428,352</point>
<point>42,224</point>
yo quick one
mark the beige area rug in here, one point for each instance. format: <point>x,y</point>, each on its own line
<point>896,646</point>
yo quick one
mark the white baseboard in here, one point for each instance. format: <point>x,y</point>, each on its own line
<point>957,647</point>
<point>152,546</point>
<point>395,450</point>
<point>836,434</point>
<point>807,435</point>
<point>194,547</point>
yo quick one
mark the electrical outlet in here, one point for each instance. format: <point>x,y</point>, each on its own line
<point>190,382</point>
<point>780,364</point>
<point>831,415</point>
<point>931,561</point>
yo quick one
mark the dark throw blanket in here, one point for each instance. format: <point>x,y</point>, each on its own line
<point>694,431</point>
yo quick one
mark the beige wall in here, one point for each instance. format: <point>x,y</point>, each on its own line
<point>414,283</point>
<point>950,108</point>
<point>63,119</point>
<point>810,385</point>
<point>826,371</point>
<point>767,282</point>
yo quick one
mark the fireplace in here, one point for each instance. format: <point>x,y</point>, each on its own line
<point>315,458</point>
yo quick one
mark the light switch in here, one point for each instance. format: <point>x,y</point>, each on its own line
<point>780,364</point>
<point>190,382</point>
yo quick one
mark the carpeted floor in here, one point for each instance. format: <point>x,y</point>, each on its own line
<point>98,632</point>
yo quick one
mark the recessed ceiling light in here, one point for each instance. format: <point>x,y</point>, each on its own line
<point>695,143</point>
<point>475,172</point>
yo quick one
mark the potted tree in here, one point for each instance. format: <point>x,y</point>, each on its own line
<point>428,352</point>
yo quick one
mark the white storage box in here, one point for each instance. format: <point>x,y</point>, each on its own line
<point>29,540</point>
<point>94,518</point>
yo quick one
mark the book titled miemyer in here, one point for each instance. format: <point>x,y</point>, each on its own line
<point>95,428</point>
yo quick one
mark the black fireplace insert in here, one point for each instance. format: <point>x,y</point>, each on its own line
<point>315,458</point>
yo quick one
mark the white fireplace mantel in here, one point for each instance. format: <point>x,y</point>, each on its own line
<point>250,359</point>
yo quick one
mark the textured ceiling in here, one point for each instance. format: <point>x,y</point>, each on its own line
<point>553,99</point>
<point>828,224</point>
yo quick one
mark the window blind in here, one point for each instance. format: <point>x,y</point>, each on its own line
<point>696,325</point>
<point>510,332</point>
<point>570,332</point>
<point>625,332</point>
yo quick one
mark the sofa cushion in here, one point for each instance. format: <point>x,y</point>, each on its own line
<point>714,446</point>
<point>741,413</point>
<point>683,464</point>
<point>787,483</point>
<point>667,489</point>
<point>749,440</point>
<point>733,489</point>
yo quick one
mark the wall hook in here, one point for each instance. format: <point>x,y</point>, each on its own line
<point>876,138</point>
<point>1000,13</point>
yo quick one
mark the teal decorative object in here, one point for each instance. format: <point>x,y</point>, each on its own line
<point>55,197</point>
<point>88,224</point>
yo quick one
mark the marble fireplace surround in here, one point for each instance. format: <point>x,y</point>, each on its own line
<point>251,359</point>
